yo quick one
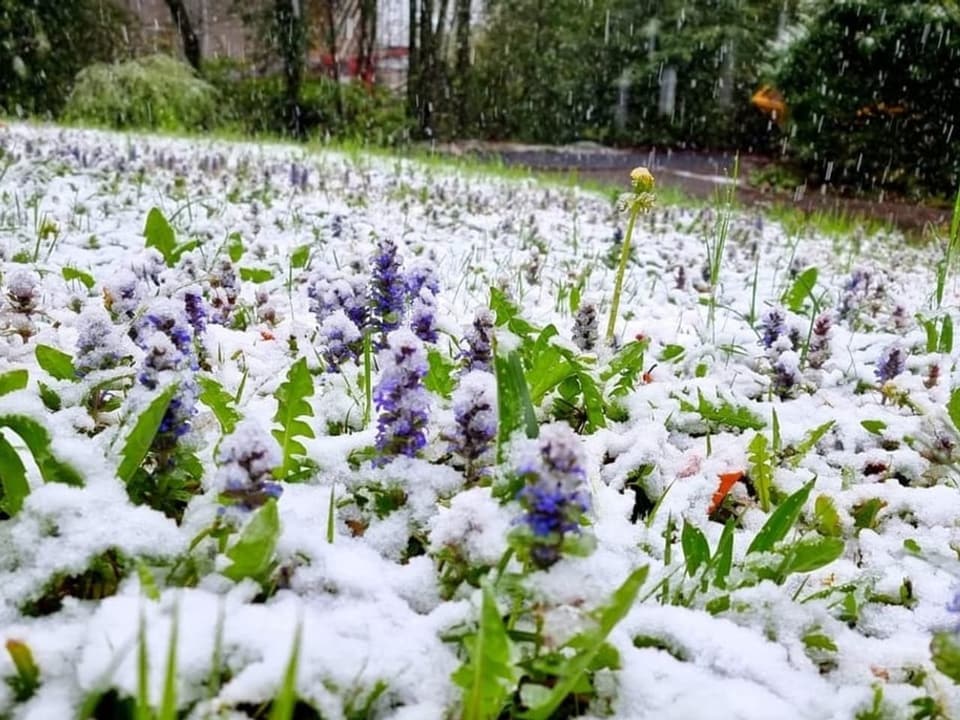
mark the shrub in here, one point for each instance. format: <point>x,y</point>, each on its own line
<point>44,43</point>
<point>155,92</point>
<point>874,97</point>
<point>257,105</point>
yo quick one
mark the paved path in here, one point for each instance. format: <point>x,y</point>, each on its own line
<point>696,173</point>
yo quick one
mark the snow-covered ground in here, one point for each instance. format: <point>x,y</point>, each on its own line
<point>281,235</point>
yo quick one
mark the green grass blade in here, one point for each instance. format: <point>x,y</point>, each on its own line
<point>168,703</point>
<point>782,519</point>
<point>286,700</point>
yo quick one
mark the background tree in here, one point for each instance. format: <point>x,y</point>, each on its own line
<point>873,95</point>
<point>188,34</point>
<point>44,43</point>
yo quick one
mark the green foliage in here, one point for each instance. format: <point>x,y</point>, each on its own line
<point>514,406</point>
<point>141,437</point>
<point>945,652</point>
<point>44,43</point>
<point>27,679</point>
<point>220,402</point>
<point>257,105</point>
<point>13,479</point>
<point>761,469</point>
<point>441,378</point>
<point>780,522</point>
<point>252,553</point>
<point>292,407</point>
<point>722,414</point>
<point>865,71</point>
<point>154,92</point>
<point>696,550</point>
<point>796,296</point>
<point>57,363</point>
<point>588,646</point>
<point>160,235</point>
<point>13,380</point>
<point>488,675</point>
<point>285,702</point>
<point>37,439</point>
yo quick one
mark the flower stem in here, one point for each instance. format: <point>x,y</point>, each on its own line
<point>621,271</point>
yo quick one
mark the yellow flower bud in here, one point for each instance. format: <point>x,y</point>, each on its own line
<point>642,180</point>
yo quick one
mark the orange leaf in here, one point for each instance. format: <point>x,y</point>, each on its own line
<point>267,335</point>
<point>727,481</point>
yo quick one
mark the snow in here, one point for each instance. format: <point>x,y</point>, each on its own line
<point>369,611</point>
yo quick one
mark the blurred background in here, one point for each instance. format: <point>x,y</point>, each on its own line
<point>858,97</point>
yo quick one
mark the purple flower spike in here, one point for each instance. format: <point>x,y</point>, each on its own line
<point>401,398</point>
<point>892,362</point>
<point>387,287</point>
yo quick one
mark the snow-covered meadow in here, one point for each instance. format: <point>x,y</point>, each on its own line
<point>349,429</point>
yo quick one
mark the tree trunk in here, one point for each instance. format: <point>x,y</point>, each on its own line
<point>368,40</point>
<point>292,43</point>
<point>188,36</point>
<point>413,62</point>
<point>462,66</point>
<point>330,7</point>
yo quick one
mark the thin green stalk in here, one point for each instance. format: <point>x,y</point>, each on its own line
<point>621,271</point>
<point>367,379</point>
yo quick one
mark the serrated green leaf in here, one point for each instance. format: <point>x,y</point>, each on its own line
<point>725,413</point>
<point>441,374</point>
<point>292,405</point>
<point>57,363</point>
<point>140,439</point>
<point>761,469</point>
<point>49,397</point>
<point>802,288</point>
<point>70,273</point>
<point>781,521</point>
<point>507,313</point>
<point>819,641</point>
<point>13,479</point>
<point>809,441</point>
<point>13,380</point>
<point>220,402</point>
<point>696,550</point>
<point>812,554</point>
<point>160,235</point>
<point>489,674</point>
<point>591,643</point>
<point>252,553</point>
<point>37,439</point>
<point>945,653</point>
<point>592,402</point>
<point>255,275</point>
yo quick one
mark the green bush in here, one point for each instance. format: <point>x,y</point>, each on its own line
<point>45,43</point>
<point>257,105</point>
<point>155,92</point>
<point>873,95</point>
